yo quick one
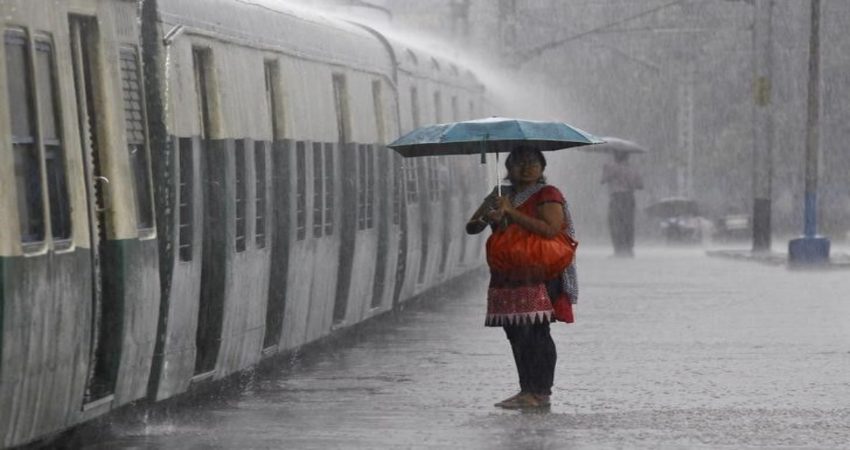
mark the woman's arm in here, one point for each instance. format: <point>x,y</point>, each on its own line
<point>479,220</point>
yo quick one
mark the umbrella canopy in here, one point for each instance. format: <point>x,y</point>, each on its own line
<point>616,145</point>
<point>672,207</point>
<point>491,135</point>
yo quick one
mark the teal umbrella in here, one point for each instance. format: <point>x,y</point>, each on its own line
<point>491,135</point>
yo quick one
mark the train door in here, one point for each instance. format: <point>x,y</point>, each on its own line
<point>383,202</point>
<point>444,180</point>
<point>399,219</point>
<point>211,302</point>
<point>106,318</point>
<point>276,303</point>
<point>423,170</point>
<point>419,168</point>
<point>348,228</point>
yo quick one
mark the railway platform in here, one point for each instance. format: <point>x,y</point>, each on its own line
<point>671,349</point>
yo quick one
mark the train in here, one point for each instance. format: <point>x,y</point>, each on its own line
<point>188,188</point>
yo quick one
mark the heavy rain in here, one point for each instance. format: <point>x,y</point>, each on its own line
<point>710,203</point>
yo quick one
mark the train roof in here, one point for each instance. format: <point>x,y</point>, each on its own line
<point>415,60</point>
<point>277,25</point>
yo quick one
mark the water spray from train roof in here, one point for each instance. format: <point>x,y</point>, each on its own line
<point>511,97</point>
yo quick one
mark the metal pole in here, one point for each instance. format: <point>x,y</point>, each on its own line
<point>762,35</point>
<point>812,125</point>
<point>811,249</point>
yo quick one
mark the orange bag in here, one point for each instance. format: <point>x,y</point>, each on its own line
<point>518,254</point>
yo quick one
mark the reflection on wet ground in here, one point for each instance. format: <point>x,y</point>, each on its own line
<point>670,349</point>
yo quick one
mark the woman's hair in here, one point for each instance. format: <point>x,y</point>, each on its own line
<point>522,152</point>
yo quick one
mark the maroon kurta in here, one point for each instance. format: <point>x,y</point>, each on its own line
<point>511,302</point>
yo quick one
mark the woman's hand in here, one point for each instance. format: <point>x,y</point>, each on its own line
<point>495,215</point>
<point>502,209</point>
<point>484,215</point>
<point>504,204</point>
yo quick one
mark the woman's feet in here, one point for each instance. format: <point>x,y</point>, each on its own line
<point>525,400</point>
<point>510,400</point>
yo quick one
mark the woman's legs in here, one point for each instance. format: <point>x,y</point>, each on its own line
<point>518,337</point>
<point>535,356</point>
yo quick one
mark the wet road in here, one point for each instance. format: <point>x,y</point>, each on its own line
<point>672,349</point>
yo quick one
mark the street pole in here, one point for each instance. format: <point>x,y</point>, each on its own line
<point>811,248</point>
<point>762,123</point>
<point>812,125</point>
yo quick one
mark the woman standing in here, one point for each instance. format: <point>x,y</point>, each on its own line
<point>524,308</point>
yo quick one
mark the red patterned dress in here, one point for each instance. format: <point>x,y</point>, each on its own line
<point>511,302</point>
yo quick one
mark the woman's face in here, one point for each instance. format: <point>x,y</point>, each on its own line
<point>525,169</point>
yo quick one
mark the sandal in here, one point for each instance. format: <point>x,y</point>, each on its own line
<point>526,401</point>
<point>510,400</point>
<point>542,400</point>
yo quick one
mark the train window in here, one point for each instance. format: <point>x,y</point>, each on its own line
<point>433,179</point>
<point>409,166</point>
<point>300,190</point>
<point>134,119</point>
<point>329,188</point>
<point>260,199</point>
<point>204,88</point>
<point>318,190</point>
<point>438,107</point>
<point>423,167</point>
<point>378,103</point>
<point>343,115</point>
<point>414,106</point>
<point>377,98</point>
<point>26,158</point>
<point>423,174</point>
<point>361,187</point>
<point>365,187</point>
<point>240,195</point>
<point>272,75</point>
<point>443,176</point>
<point>370,186</point>
<point>51,136</point>
<point>186,192</point>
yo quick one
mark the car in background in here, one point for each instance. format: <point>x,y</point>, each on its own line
<point>733,227</point>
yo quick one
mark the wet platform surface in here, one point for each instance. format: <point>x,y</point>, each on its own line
<point>672,349</point>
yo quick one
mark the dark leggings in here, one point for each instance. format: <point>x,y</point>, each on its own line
<point>534,353</point>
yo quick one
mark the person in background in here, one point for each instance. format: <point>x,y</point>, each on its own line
<point>622,180</point>
<point>525,308</point>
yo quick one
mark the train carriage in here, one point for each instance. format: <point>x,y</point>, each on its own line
<point>79,287</point>
<point>318,108</point>
<point>433,90</point>
<point>204,187</point>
